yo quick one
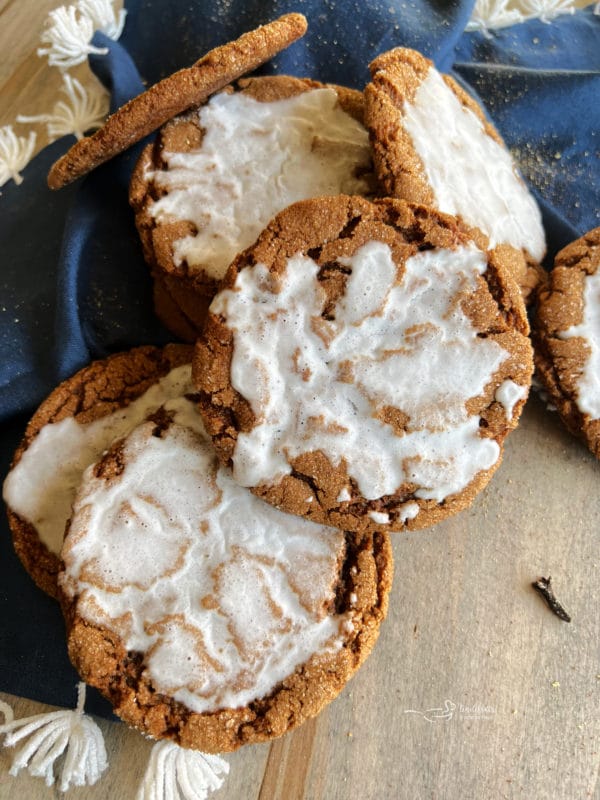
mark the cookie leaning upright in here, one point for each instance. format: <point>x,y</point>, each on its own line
<point>216,175</point>
<point>566,333</point>
<point>148,111</point>
<point>69,431</point>
<point>432,144</point>
<point>363,363</point>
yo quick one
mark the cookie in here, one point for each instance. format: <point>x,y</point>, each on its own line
<point>566,335</point>
<point>204,615</point>
<point>432,144</point>
<point>185,88</point>
<point>69,431</point>
<point>363,364</point>
<point>217,175</point>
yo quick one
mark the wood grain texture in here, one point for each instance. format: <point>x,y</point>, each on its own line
<point>474,690</point>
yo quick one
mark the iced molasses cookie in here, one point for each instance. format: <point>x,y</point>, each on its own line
<point>185,88</point>
<point>217,174</point>
<point>69,431</point>
<point>567,338</point>
<point>363,364</point>
<point>432,144</point>
<point>204,615</point>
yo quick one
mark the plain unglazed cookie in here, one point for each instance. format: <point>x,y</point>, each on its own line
<point>363,363</point>
<point>204,615</point>
<point>432,144</point>
<point>216,175</point>
<point>148,111</point>
<point>69,431</point>
<point>566,334</point>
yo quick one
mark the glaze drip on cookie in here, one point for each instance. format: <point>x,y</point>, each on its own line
<point>223,595</point>
<point>255,159</point>
<point>394,341</point>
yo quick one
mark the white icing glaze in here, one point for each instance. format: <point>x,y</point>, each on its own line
<point>508,395</point>
<point>408,511</point>
<point>588,385</point>
<point>256,159</point>
<point>224,595</point>
<point>41,488</point>
<point>317,385</point>
<point>380,517</point>
<point>344,496</point>
<point>471,175</point>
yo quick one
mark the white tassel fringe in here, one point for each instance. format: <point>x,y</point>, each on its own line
<point>175,773</point>
<point>104,17</point>
<point>49,735</point>
<point>489,15</point>
<point>86,110</point>
<point>69,31</point>
<point>547,10</point>
<point>15,154</point>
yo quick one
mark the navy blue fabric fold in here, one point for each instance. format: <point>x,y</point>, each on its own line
<point>74,284</point>
<point>540,84</point>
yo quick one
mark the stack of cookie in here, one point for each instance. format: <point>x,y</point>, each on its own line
<point>352,270</point>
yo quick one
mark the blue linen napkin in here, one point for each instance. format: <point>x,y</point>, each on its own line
<point>74,283</point>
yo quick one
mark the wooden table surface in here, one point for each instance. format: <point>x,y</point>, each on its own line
<point>475,689</point>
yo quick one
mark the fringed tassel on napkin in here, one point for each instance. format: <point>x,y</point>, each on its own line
<point>489,15</point>
<point>49,736</point>
<point>15,154</point>
<point>547,10</point>
<point>69,31</point>
<point>174,773</point>
<point>85,110</point>
<point>68,36</point>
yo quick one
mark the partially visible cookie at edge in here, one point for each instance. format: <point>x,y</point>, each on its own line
<point>432,144</point>
<point>69,431</point>
<point>566,334</point>
<point>148,111</point>
<point>201,613</point>
<point>217,174</point>
<point>363,363</point>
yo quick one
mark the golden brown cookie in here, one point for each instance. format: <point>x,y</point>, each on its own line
<point>185,88</point>
<point>432,144</point>
<point>204,615</point>
<point>363,363</point>
<point>216,175</point>
<point>566,335</point>
<point>69,431</point>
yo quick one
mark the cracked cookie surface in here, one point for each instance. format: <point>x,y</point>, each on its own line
<point>69,431</point>
<point>216,176</point>
<point>203,614</point>
<point>566,334</point>
<point>432,144</point>
<point>363,363</point>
